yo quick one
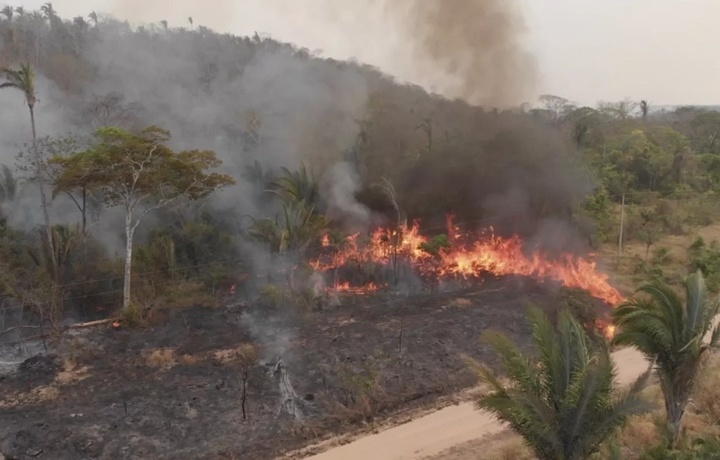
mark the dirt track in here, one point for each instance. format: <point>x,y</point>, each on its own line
<point>454,433</point>
<point>434,434</point>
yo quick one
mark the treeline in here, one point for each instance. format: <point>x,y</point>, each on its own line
<point>340,145</point>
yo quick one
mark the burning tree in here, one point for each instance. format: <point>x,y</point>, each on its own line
<point>140,173</point>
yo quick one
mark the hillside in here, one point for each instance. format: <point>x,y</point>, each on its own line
<point>214,246</point>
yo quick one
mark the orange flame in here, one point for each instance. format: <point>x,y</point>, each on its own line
<point>468,256</point>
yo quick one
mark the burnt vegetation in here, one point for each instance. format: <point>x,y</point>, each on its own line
<point>212,173</point>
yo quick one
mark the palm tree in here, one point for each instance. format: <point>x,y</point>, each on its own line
<point>8,12</point>
<point>48,11</point>
<point>297,186</point>
<point>669,331</point>
<point>563,402</point>
<point>23,80</point>
<point>94,18</point>
<point>644,109</point>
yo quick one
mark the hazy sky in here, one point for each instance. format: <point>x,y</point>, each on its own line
<point>665,51</point>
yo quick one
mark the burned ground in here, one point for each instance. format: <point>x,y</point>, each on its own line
<point>173,390</point>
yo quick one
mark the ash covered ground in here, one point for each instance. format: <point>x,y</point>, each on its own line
<point>174,390</point>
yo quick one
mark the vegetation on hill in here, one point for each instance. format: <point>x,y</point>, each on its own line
<point>188,164</point>
<point>340,145</point>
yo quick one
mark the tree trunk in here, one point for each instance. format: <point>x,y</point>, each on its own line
<point>43,198</point>
<point>84,210</point>
<point>129,232</point>
<point>675,408</point>
<point>243,398</point>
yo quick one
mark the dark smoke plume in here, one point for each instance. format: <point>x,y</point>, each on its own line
<point>475,44</point>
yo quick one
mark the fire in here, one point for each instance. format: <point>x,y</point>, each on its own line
<point>464,256</point>
<point>346,288</point>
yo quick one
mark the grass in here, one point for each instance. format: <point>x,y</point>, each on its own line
<point>669,257</point>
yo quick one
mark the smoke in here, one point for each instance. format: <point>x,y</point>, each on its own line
<point>340,186</point>
<point>471,48</point>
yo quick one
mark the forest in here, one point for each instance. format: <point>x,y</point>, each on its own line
<point>148,171</point>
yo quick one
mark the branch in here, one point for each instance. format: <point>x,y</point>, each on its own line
<point>162,202</point>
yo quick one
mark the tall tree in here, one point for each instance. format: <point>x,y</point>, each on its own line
<point>48,11</point>
<point>8,12</point>
<point>94,18</point>
<point>563,402</point>
<point>23,79</point>
<point>670,332</point>
<point>140,173</point>
<point>644,109</point>
<point>8,185</point>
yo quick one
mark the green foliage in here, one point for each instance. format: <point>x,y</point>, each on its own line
<point>300,223</point>
<point>669,331</point>
<point>704,448</point>
<point>662,256</point>
<point>706,258</point>
<point>436,245</point>
<point>138,170</point>
<point>297,186</point>
<point>133,316</point>
<point>272,296</point>
<point>23,80</point>
<point>563,403</point>
<point>361,385</point>
<point>132,168</point>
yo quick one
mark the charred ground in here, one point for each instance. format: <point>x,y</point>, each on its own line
<point>173,390</point>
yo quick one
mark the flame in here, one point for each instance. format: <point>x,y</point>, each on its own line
<point>347,288</point>
<point>468,256</point>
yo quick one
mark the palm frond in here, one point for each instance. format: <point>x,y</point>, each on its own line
<point>670,331</point>
<point>566,406</point>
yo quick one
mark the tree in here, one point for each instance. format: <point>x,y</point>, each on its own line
<point>94,18</point>
<point>8,12</point>
<point>563,403</point>
<point>23,80</point>
<point>554,106</point>
<point>670,333</point>
<point>140,173</point>
<point>8,185</point>
<point>48,11</point>
<point>649,231</point>
<point>83,197</point>
<point>644,109</point>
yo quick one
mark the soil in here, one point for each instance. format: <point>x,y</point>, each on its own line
<point>173,390</point>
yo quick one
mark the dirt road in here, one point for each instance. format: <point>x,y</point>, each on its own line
<point>432,434</point>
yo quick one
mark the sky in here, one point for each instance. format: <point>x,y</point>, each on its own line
<point>664,51</point>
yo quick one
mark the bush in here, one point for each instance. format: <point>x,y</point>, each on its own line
<point>706,258</point>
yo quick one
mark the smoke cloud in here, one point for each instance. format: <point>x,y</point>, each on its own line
<point>472,48</point>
